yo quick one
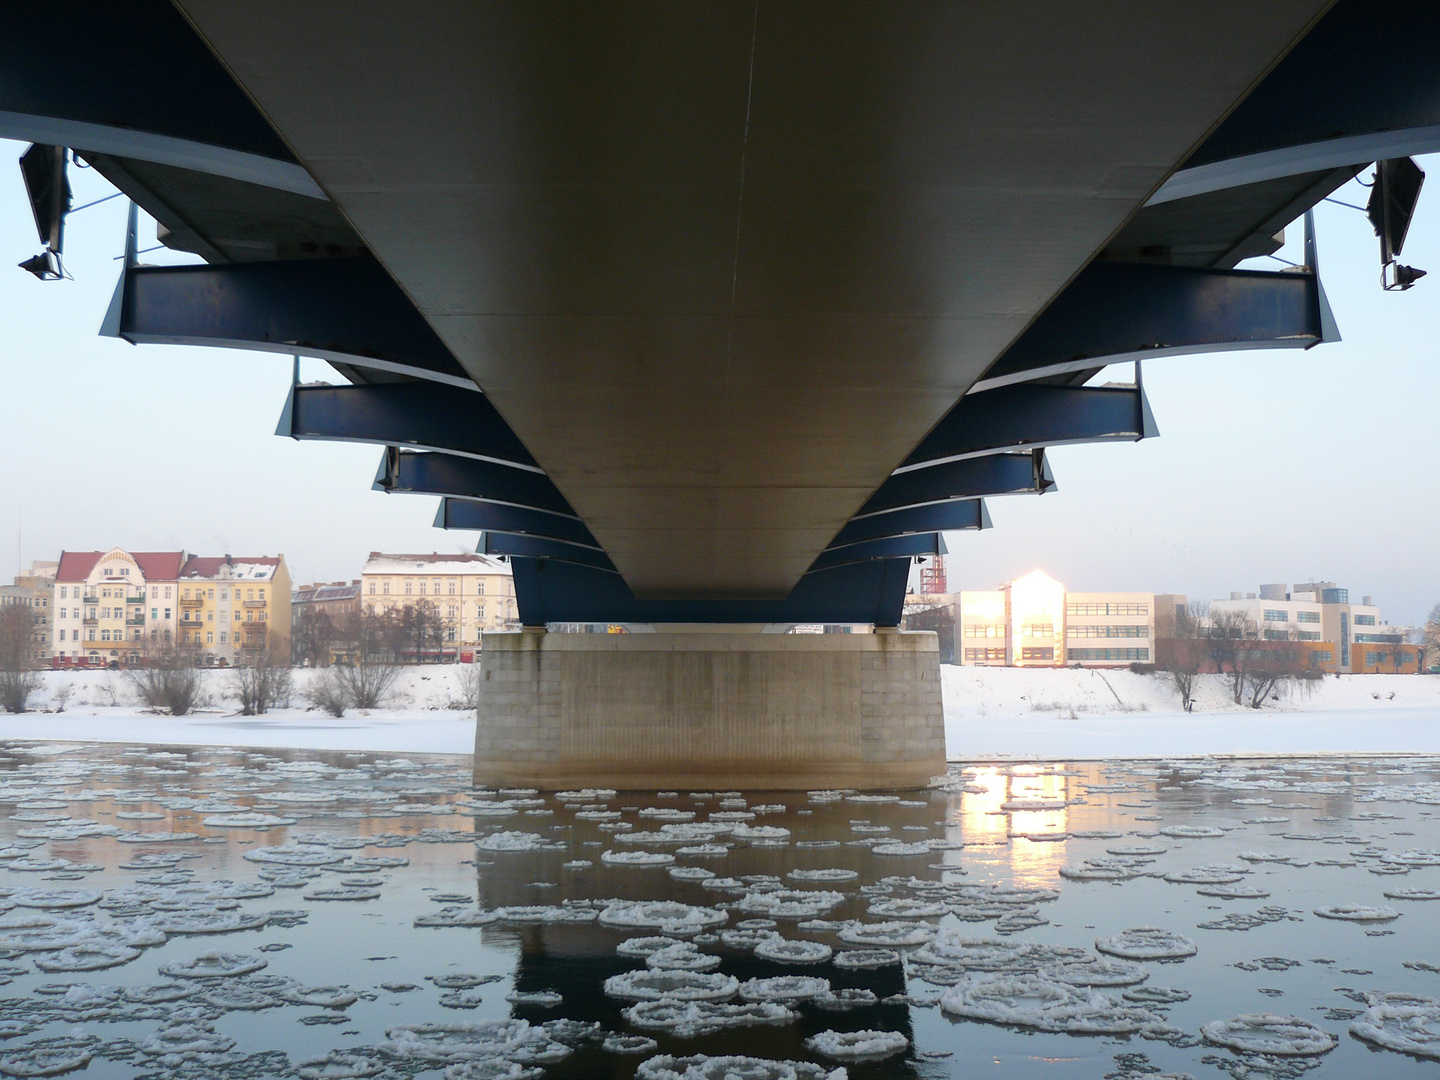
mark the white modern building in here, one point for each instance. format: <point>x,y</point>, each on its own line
<point>1034,622</point>
<point>1315,611</point>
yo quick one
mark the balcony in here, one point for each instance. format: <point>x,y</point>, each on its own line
<point>91,600</point>
<point>191,624</point>
<point>138,620</point>
<point>186,601</point>
<point>91,622</point>
<point>134,599</point>
<point>254,603</point>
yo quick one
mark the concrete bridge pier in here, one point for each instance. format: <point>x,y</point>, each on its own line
<point>710,710</point>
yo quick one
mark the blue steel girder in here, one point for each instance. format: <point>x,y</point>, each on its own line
<point>1363,85</point>
<point>513,520</point>
<point>347,310</point>
<point>424,472</point>
<point>953,516</point>
<point>1118,311</point>
<point>969,478</point>
<point>1030,415</point>
<point>186,111</point>
<point>420,414</point>
<point>907,545</point>
<point>537,547</point>
<point>549,590</point>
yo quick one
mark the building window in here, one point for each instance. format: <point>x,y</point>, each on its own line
<point>422,588</point>
<point>408,586</point>
<point>237,614</point>
<point>372,588</point>
<point>386,588</point>
<point>223,637</point>
<point>1274,615</point>
<point>1037,653</point>
<point>62,635</point>
<point>1107,609</point>
<point>452,587</point>
<point>985,656</point>
<point>262,596</point>
<point>988,631</point>
<point>1038,630</point>
<point>1364,620</point>
<point>1112,655</point>
<point>63,593</point>
<point>210,616</point>
<point>450,633</point>
<point>1278,635</point>
<point>481,590</point>
<point>1307,616</point>
<point>209,638</point>
<point>1142,631</point>
<point>1309,635</point>
<point>167,614</point>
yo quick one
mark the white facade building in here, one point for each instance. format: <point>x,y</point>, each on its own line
<point>110,605</point>
<point>471,594</point>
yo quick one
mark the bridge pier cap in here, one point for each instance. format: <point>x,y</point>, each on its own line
<point>707,707</point>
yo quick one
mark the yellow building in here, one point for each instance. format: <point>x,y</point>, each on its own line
<point>234,610</point>
<point>470,594</point>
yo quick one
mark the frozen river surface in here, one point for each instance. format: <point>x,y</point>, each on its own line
<point>222,912</point>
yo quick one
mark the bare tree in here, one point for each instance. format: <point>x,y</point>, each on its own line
<point>327,691</point>
<point>1272,667</point>
<point>18,678</point>
<point>1229,639</point>
<point>167,679</point>
<point>1188,651</point>
<point>1430,650</point>
<point>366,681</point>
<point>263,683</point>
<point>315,634</point>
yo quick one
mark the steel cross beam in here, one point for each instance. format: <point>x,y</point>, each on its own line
<point>420,414</point>
<point>906,545</point>
<point>347,310</point>
<point>952,516</point>
<point>968,478</point>
<point>538,547</point>
<point>423,472</point>
<point>1116,311</point>
<point>1030,415</point>
<point>503,518</point>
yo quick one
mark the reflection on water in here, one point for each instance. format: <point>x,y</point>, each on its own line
<point>228,913</point>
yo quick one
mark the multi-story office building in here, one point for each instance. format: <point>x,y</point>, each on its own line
<point>470,594</point>
<point>234,610</point>
<point>1320,611</point>
<point>35,589</point>
<point>1033,622</point>
<point>110,607</point>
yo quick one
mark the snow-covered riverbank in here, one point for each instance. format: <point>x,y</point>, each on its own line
<point>989,712</point>
<point>1013,712</point>
<point>425,714</point>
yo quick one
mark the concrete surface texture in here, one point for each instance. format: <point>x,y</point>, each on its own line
<point>747,711</point>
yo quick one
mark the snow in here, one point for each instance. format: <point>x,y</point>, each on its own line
<point>989,713</point>
<point>425,715</point>
<point>1090,714</point>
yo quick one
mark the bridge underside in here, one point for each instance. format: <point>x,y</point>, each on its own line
<point>722,312</point>
<point>722,265</point>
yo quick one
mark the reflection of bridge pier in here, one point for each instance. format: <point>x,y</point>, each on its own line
<point>577,963</point>
<point>575,959</point>
<point>742,710</point>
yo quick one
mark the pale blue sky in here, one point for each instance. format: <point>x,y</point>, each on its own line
<point>1271,466</point>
